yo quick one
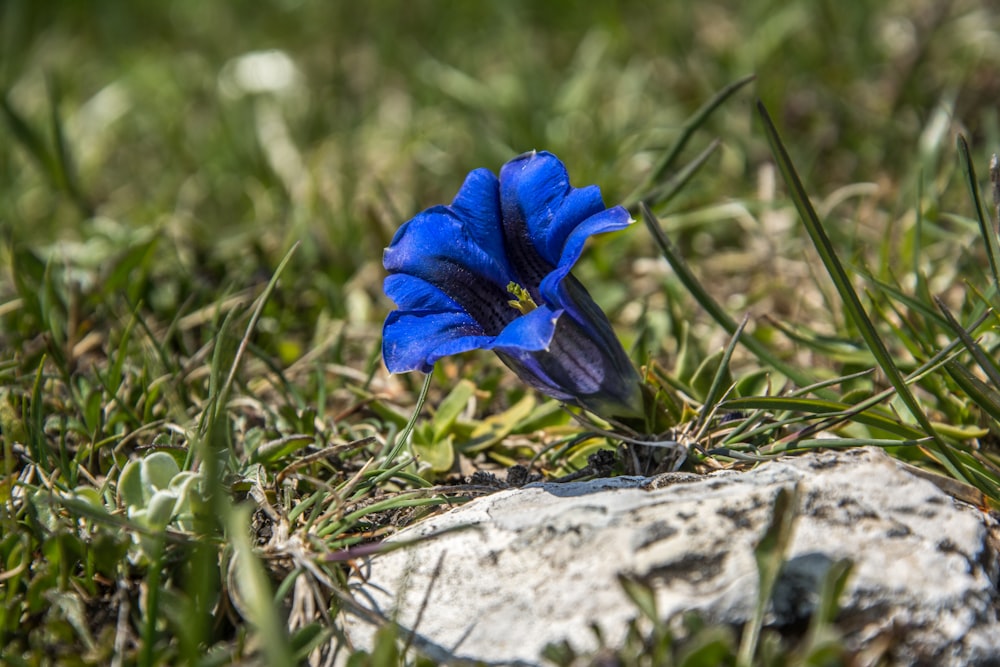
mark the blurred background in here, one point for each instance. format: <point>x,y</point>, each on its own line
<point>164,153</point>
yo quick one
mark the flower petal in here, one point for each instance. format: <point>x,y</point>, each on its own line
<point>412,340</point>
<point>546,221</point>
<point>589,372</point>
<point>579,205</point>
<point>477,205</point>
<point>531,369</point>
<point>532,188</point>
<point>613,219</point>
<point>452,249</point>
<point>610,220</point>
<point>529,333</point>
<point>468,232</point>
<point>523,347</point>
<point>535,187</point>
<point>412,293</point>
<point>435,243</point>
<point>555,355</point>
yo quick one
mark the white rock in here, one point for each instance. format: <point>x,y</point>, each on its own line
<point>540,563</point>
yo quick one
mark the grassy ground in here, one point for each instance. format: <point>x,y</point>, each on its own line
<point>193,202</point>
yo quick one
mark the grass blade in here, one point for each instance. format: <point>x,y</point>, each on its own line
<point>29,140</point>
<point>66,170</point>
<point>770,557</point>
<point>403,435</point>
<point>985,227</point>
<point>690,127</point>
<point>665,193</point>
<point>982,394</point>
<point>711,398</point>
<point>251,325</point>
<point>55,164</point>
<point>984,360</point>
<point>826,409</point>
<point>254,586</point>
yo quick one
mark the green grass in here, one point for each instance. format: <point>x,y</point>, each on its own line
<point>198,434</point>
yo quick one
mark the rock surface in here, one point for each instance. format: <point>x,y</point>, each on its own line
<point>540,563</point>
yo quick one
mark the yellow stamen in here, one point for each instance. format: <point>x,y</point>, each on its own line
<point>522,300</point>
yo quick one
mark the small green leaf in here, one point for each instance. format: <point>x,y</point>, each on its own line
<point>641,595</point>
<point>121,276</point>
<point>753,384</point>
<point>254,586</point>
<point>275,450</point>
<point>709,647</point>
<point>388,413</point>
<point>308,638</point>
<point>385,650</point>
<point>831,588</point>
<point>142,478</point>
<point>158,471</point>
<point>439,453</point>
<point>130,486</point>
<point>451,407</point>
<point>545,414</point>
<point>495,428</point>
<point>159,511</point>
<point>11,424</point>
<point>689,357</point>
<point>702,379</point>
<point>92,497</point>
<point>93,411</point>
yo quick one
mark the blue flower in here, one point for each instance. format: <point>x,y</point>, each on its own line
<point>492,271</point>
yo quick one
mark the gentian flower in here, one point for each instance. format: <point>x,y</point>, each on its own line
<point>492,271</point>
